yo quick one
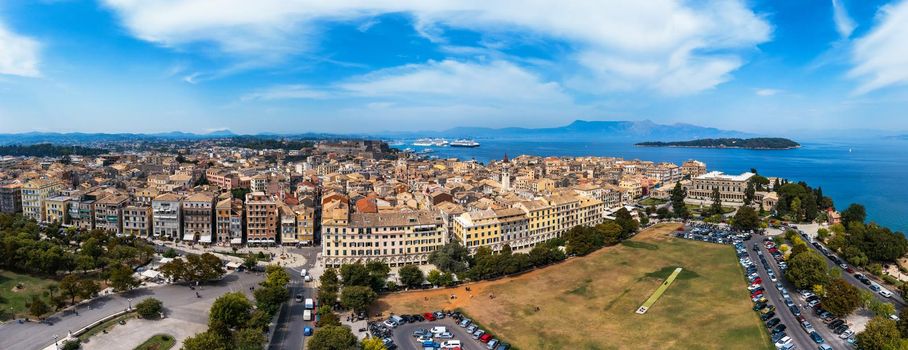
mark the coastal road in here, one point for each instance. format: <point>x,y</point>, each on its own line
<point>800,338</point>
<point>179,301</point>
<point>288,334</point>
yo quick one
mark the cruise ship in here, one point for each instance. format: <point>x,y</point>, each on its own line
<point>464,143</point>
<point>430,142</point>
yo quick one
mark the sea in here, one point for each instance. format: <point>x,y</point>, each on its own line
<point>869,172</point>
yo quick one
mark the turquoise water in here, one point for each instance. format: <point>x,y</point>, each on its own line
<point>872,173</point>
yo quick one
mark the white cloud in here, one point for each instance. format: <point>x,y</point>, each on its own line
<point>434,82</point>
<point>767,92</point>
<point>843,23</point>
<point>881,56</point>
<point>18,54</point>
<point>449,79</point>
<point>671,46</point>
<point>285,92</point>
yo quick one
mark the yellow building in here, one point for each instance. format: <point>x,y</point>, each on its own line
<point>395,239</point>
<point>34,193</point>
<point>56,209</point>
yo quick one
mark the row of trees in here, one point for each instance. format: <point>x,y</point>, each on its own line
<point>195,268</point>
<point>233,322</point>
<point>799,202</point>
<point>26,247</point>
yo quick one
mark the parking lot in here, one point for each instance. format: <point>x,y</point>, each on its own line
<point>422,332</point>
<point>712,233</point>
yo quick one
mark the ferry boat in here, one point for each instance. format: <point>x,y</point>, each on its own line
<point>423,142</point>
<point>464,143</point>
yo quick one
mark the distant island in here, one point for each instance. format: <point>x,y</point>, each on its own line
<point>752,143</point>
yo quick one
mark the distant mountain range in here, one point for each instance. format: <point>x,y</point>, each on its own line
<point>580,130</point>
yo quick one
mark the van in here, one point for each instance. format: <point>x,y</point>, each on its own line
<point>310,304</point>
<point>450,344</point>
<point>307,315</point>
<point>304,273</point>
<point>397,319</point>
<point>438,330</point>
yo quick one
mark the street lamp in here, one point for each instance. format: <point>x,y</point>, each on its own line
<point>55,342</point>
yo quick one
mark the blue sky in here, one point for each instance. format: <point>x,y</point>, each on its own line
<point>360,66</point>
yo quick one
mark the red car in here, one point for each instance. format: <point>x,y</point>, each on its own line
<point>757,294</point>
<point>485,338</point>
<point>429,316</point>
<point>758,280</point>
<point>849,270</point>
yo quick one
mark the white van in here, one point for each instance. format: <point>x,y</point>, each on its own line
<point>438,330</point>
<point>307,315</point>
<point>450,344</point>
<point>310,304</point>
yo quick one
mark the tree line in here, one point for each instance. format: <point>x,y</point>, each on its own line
<point>49,150</point>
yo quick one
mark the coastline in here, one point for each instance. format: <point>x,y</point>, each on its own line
<point>722,147</point>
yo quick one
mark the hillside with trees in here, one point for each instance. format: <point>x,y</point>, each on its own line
<point>752,143</point>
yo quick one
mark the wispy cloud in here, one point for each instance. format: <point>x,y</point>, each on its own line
<point>18,54</point>
<point>286,92</point>
<point>880,57</point>
<point>767,92</point>
<point>689,48</point>
<point>843,23</point>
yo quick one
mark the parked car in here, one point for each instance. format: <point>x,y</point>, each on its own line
<point>503,346</point>
<point>779,328</point>
<point>485,338</point>
<point>429,316</point>
<point>478,333</point>
<point>464,323</point>
<point>846,334</point>
<point>767,316</point>
<point>885,293</point>
<point>816,337</point>
<point>492,344</point>
<point>421,332</point>
<point>307,331</point>
<point>445,335</point>
<point>835,323</point>
<point>772,322</point>
<point>438,330</point>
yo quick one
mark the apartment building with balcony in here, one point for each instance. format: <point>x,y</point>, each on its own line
<point>166,216</point>
<point>261,219</point>
<point>198,217</point>
<point>11,198</point>
<point>137,219</point>
<point>229,221</point>
<point>109,213</point>
<point>34,193</point>
<point>396,239</point>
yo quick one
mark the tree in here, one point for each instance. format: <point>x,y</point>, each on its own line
<point>611,232</point>
<point>275,276</point>
<point>746,219</point>
<point>379,272</point>
<point>451,257</point>
<point>328,318</point>
<point>121,278</point>
<point>716,207</point>
<point>37,306</point>
<point>902,324</point>
<point>328,288</point>
<point>842,298</point>
<point>749,193</point>
<point>881,308</point>
<point>678,195</point>
<point>250,261</point>
<point>150,308</point>
<point>230,310</point>
<point>807,269</point>
<point>355,275</point>
<point>269,298</point>
<point>628,225</point>
<point>358,298</point>
<point>248,339</point>
<point>332,338</point>
<point>854,213</point>
<point>795,209</point>
<point>880,334</point>
<point>411,276</point>
<point>373,344</point>
<point>170,253</point>
<point>88,288</point>
<point>434,277</point>
<point>175,270</point>
<point>70,287</point>
<point>205,341</point>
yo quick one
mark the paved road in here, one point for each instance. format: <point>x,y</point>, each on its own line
<point>288,334</point>
<point>794,330</point>
<point>179,301</point>
<point>403,335</point>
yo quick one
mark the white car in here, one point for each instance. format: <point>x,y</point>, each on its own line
<point>438,330</point>
<point>846,334</point>
<point>886,293</point>
<point>785,340</point>
<point>450,344</point>
<point>894,317</point>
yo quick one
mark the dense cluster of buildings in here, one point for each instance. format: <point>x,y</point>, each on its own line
<point>363,201</point>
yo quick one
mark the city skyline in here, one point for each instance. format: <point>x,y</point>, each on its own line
<point>346,67</point>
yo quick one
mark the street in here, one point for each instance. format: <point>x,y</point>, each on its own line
<point>288,333</point>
